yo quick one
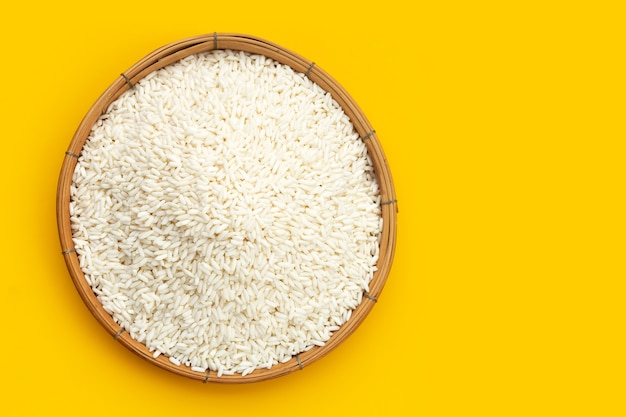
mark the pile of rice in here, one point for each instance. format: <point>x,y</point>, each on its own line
<point>225,213</point>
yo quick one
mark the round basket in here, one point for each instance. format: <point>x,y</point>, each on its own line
<point>169,54</point>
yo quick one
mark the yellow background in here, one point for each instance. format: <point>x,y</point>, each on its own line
<point>504,126</point>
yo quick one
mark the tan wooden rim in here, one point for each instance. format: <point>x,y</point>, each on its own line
<point>167,55</point>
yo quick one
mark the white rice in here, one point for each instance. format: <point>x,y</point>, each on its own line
<point>225,213</point>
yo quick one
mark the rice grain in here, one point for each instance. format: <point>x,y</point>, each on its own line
<point>226,213</point>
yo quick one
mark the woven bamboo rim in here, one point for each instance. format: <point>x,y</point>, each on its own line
<point>167,55</point>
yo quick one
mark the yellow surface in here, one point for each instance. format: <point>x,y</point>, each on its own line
<point>504,125</point>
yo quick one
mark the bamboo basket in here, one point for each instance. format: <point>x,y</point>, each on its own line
<point>171,53</point>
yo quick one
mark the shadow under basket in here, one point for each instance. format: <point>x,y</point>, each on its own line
<point>169,54</point>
